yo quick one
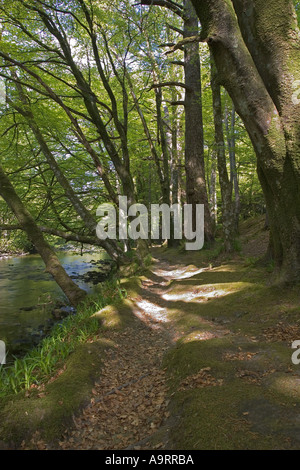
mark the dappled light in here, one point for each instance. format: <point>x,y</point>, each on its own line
<point>287,385</point>
<point>179,273</point>
<point>197,295</point>
<point>149,310</point>
<point>199,336</point>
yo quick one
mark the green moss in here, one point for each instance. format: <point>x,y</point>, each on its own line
<point>51,410</point>
<point>209,419</point>
<point>116,316</point>
<point>227,416</point>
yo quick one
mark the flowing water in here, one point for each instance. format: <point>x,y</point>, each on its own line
<point>27,293</point>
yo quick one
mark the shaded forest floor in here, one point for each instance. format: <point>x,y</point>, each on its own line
<point>198,356</point>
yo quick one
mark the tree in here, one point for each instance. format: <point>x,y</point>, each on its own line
<point>28,224</point>
<point>255,45</point>
<point>196,189</point>
<point>230,134</point>
<point>62,78</point>
<point>228,216</point>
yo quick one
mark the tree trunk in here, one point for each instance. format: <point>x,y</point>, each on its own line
<point>228,220</point>
<point>213,189</point>
<point>196,191</point>
<point>34,234</point>
<point>255,46</point>
<point>232,158</point>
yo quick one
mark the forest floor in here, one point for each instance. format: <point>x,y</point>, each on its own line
<point>198,356</point>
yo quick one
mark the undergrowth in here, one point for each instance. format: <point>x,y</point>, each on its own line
<point>39,364</point>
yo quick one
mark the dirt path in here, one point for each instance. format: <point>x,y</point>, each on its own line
<point>224,336</point>
<point>232,365</point>
<point>130,400</point>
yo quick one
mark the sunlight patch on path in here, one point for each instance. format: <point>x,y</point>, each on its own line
<point>195,296</point>
<point>152,311</point>
<point>179,273</point>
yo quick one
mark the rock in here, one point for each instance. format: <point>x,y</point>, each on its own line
<point>60,304</point>
<point>240,314</point>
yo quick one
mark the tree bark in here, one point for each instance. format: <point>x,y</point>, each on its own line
<point>196,190</point>
<point>230,124</point>
<point>34,234</point>
<point>255,46</point>
<point>213,188</point>
<point>228,219</point>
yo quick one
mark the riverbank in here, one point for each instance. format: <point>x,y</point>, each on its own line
<point>58,369</point>
<point>11,254</point>
<point>197,356</point>
<point>31,301</point>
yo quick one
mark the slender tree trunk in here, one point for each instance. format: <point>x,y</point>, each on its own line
<point>232,158</point>
<point>34,234</point>
<point>228,219</point>
<point>162,137</point>
<point>196,190</point>
<point>175,154</point>
<point>213,188</point>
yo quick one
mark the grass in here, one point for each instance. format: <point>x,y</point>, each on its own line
<point>44,390</point>
<point>42,362</point>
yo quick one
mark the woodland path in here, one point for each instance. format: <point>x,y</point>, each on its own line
<point>131,396</point>
<point>130,399</point>
<point>198,344</point>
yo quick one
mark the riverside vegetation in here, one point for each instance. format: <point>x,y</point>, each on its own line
<point>194,354</point>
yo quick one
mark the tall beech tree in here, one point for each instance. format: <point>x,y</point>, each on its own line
<point>110,246</point>
<point>256,47</point>
<point>196,190</point>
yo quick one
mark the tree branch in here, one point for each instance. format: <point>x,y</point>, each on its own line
<point>161,85</point>
<point>180,44</point>
<point>175,7</point>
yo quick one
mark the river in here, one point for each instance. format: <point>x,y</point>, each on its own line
<point>26,291</point>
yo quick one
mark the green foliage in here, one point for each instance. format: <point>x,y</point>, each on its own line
<point>38,365</point>
<point>128,41</point>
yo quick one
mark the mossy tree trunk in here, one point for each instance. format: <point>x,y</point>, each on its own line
<point>230,125</point>
<point>34,234</point>
<point>255,45</point>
